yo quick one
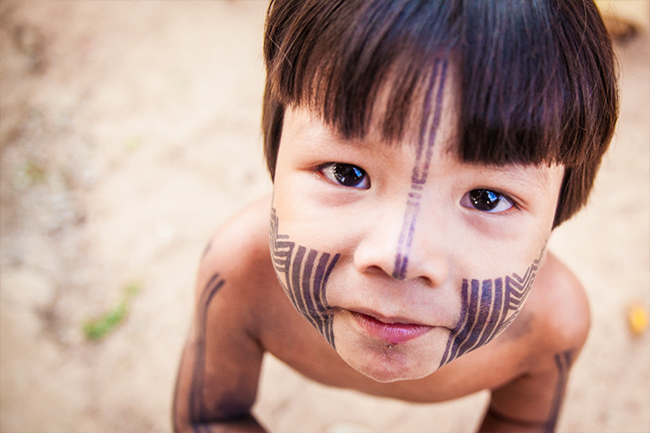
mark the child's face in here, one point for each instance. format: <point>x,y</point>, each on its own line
<point>402,266</point>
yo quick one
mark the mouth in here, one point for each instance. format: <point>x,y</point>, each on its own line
<point>391,331</point>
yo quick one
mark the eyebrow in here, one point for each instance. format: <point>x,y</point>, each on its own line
<point>313,129</point>
<point>514,173</point>
<point>520,174</point>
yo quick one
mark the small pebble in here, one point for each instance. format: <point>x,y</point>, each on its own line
<point>637,317</point>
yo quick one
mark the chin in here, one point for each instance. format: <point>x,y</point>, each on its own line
<point>389,364</point>
<point>384,362</point>
<point>382,374</point>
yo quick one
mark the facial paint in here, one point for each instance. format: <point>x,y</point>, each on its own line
<point>487,308</point>
<point>421,167</point>
<point>303,275</point>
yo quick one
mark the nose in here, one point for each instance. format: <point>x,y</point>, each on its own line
<point>401,248</point>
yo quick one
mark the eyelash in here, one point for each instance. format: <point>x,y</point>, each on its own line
<point>329,171</point>
<point>471,202</point>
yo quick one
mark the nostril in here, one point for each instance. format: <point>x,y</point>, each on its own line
<point>375,270</point>
<point>426,281</point>
<point>430,271</point>
<point>374,257</point>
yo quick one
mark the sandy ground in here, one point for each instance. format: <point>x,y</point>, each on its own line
<point>129,132</point>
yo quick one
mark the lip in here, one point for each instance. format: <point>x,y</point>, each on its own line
<point>392,331</point>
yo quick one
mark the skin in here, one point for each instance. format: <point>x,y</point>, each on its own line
<point>341,262</point>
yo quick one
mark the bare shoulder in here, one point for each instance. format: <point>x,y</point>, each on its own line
<point>222,338</point>
<point>239,249</point>
<point>560,307</point>
<point>237,260</point>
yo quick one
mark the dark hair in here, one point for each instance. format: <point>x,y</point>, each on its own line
<point>536,79</point>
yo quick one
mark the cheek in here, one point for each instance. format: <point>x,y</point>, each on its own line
<point>487,308</point>
<point>303,274</point>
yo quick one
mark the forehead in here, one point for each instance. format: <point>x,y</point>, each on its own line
<point>430,113</point>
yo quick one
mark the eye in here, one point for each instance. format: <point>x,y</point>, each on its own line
<point>345,175</point>
<point>486,200</point>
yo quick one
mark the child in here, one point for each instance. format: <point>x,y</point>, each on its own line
<point>422,153</point>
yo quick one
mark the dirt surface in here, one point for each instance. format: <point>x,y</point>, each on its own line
<point>129,132</point>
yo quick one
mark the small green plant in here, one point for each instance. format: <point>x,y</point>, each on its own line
<point>97,328</point>
<point>133,143</point>
<point>30,173</point>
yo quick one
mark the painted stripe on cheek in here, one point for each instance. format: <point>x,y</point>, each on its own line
<point>487,308</point>
<point>294,271</point>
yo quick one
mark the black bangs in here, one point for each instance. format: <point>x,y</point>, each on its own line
<point>532,91</point>
<point>347,53</point>
<point>534,80</point>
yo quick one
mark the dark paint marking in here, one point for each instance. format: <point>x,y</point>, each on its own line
<point>197,408</point>
<point>303,274</point>
<point>420,168</point>
<point>563,363</point>
<point>207,249</point>
<point>486,310</point>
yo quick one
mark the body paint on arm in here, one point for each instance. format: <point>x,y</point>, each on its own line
<point>563,362</point>
<point>303,274</point>
<point>197,407</point>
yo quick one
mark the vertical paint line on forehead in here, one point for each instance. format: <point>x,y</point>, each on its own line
<point>421,168</point>
<point>425,131</point>
<point>421,165</point>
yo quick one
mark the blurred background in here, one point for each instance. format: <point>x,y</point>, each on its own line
<point>130,131</point>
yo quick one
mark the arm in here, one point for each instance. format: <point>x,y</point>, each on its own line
<point>532,402</point>
<point>220,366</point>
